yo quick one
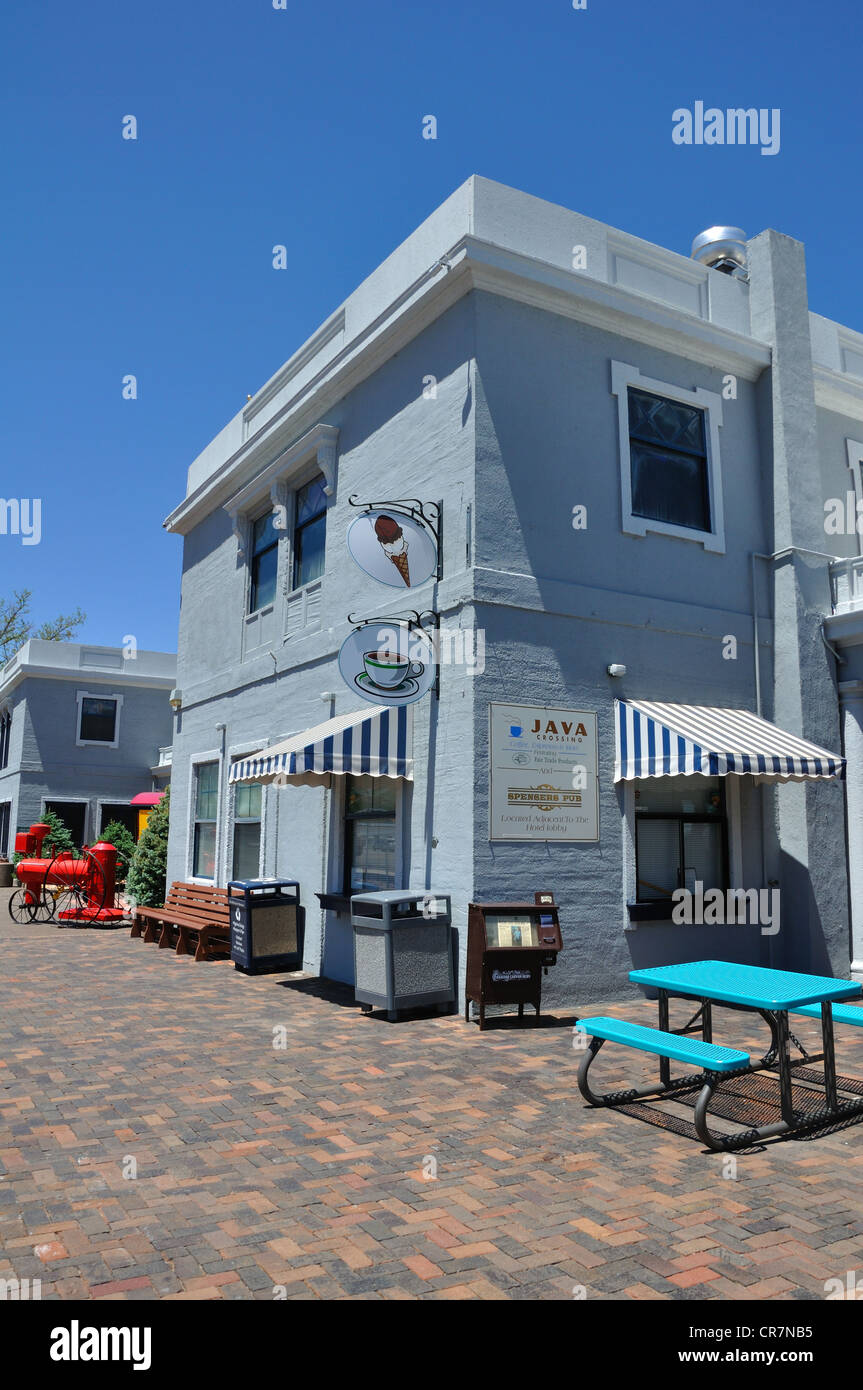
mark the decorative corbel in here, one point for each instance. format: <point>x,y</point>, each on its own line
<point>239,529</point>
<point>327,448</point>
<point>280,497</point>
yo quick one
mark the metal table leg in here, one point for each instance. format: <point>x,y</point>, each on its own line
<point>829,1054</point>
<point>784,1066</point>
<point>664,1063</point>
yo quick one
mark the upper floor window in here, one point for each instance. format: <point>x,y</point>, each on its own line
<point>310,532</point>
<point>98,719</point>
<point>670,478</point>
<point>5,735</point>
<point>265,561</point>
<point>668,461</point>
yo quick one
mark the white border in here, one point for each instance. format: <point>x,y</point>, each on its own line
<point>624,375</point>
<point>211,756</point>
<point>80,742</point>
<point>336,861</point>
<point>74,801</point>
<point>110,801</point>
<point>235,754</point>
<point>734,825</point>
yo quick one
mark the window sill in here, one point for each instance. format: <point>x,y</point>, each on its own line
<point>334,902</point>
<point>640,526</point>
<point>650,912</point>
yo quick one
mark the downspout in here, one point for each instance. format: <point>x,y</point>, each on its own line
<point>221,819</point>
<point>778,555</point>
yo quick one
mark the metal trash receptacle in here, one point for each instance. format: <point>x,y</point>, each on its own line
<point>266,924</point>
<point>403,950</point>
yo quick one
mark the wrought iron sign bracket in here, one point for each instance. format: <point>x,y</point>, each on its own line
<point>427,514</point>
<point>413,619</point>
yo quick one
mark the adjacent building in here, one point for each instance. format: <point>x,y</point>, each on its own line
<point>83,730</point>
<point>649,618</point>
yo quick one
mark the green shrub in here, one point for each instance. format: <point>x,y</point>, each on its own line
<point>121,837</point>
<point>145,881</point>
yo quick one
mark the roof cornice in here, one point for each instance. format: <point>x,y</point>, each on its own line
<point>838,392</point>
<point>469,264</point>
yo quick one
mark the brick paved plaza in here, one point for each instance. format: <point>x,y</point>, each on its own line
<point>305,1166</point>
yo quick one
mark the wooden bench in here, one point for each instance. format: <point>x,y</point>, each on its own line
<point>193,912</point>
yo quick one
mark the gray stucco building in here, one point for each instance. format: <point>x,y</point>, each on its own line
<point>83,729</point>
<point>640,461</point>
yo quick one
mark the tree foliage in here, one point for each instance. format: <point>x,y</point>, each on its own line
<point>145,881</point>
<point>121,837</point>
<point>16,625</point>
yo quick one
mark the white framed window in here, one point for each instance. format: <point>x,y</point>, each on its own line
<point>98,722</point>
<point>206,820</point>
<point>677,830</point>
<point>670,475</point>
<point>246,826</point>
<point>263,561</point>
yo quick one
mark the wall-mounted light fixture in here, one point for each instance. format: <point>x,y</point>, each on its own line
<point>175,699</point>
<point>615,669</point>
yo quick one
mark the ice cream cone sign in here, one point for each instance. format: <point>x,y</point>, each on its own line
<point>394,545</point>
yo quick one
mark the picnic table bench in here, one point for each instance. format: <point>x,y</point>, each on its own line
<point>774,994</point>
<point>193,913</point>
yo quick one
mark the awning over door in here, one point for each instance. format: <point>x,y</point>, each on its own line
<point>376,744</point>
<point>658,740</point>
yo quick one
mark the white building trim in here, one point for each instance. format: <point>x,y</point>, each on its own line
<point>624,375</point>
<point>83,695</point>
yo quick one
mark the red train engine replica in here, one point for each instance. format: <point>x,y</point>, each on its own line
<point>64,888</point>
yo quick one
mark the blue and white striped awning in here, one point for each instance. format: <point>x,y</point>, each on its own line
<point>379,744</point>
<point>658,740</point>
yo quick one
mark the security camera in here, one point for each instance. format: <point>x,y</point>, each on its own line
<point>616,670</point>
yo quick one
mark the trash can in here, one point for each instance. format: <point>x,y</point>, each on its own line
<point>266,924</point>
<point>403,950</point>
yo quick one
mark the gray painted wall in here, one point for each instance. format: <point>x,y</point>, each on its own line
<point>45,761</point>
<point>524,427</point>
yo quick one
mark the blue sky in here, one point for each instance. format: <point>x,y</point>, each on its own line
<point>302,126</point>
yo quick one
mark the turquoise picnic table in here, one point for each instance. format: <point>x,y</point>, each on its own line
<point>771,993</point>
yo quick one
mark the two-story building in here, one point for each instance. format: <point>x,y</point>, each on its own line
<point>645,687</point>
<point>83,730</point>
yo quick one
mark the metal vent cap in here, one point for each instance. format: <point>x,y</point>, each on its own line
<point>723,249</point>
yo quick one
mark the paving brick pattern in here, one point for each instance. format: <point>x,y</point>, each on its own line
<point>154,1143</point>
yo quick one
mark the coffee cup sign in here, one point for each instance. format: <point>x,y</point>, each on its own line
<point>389,664</point>
<point>392,548</point>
